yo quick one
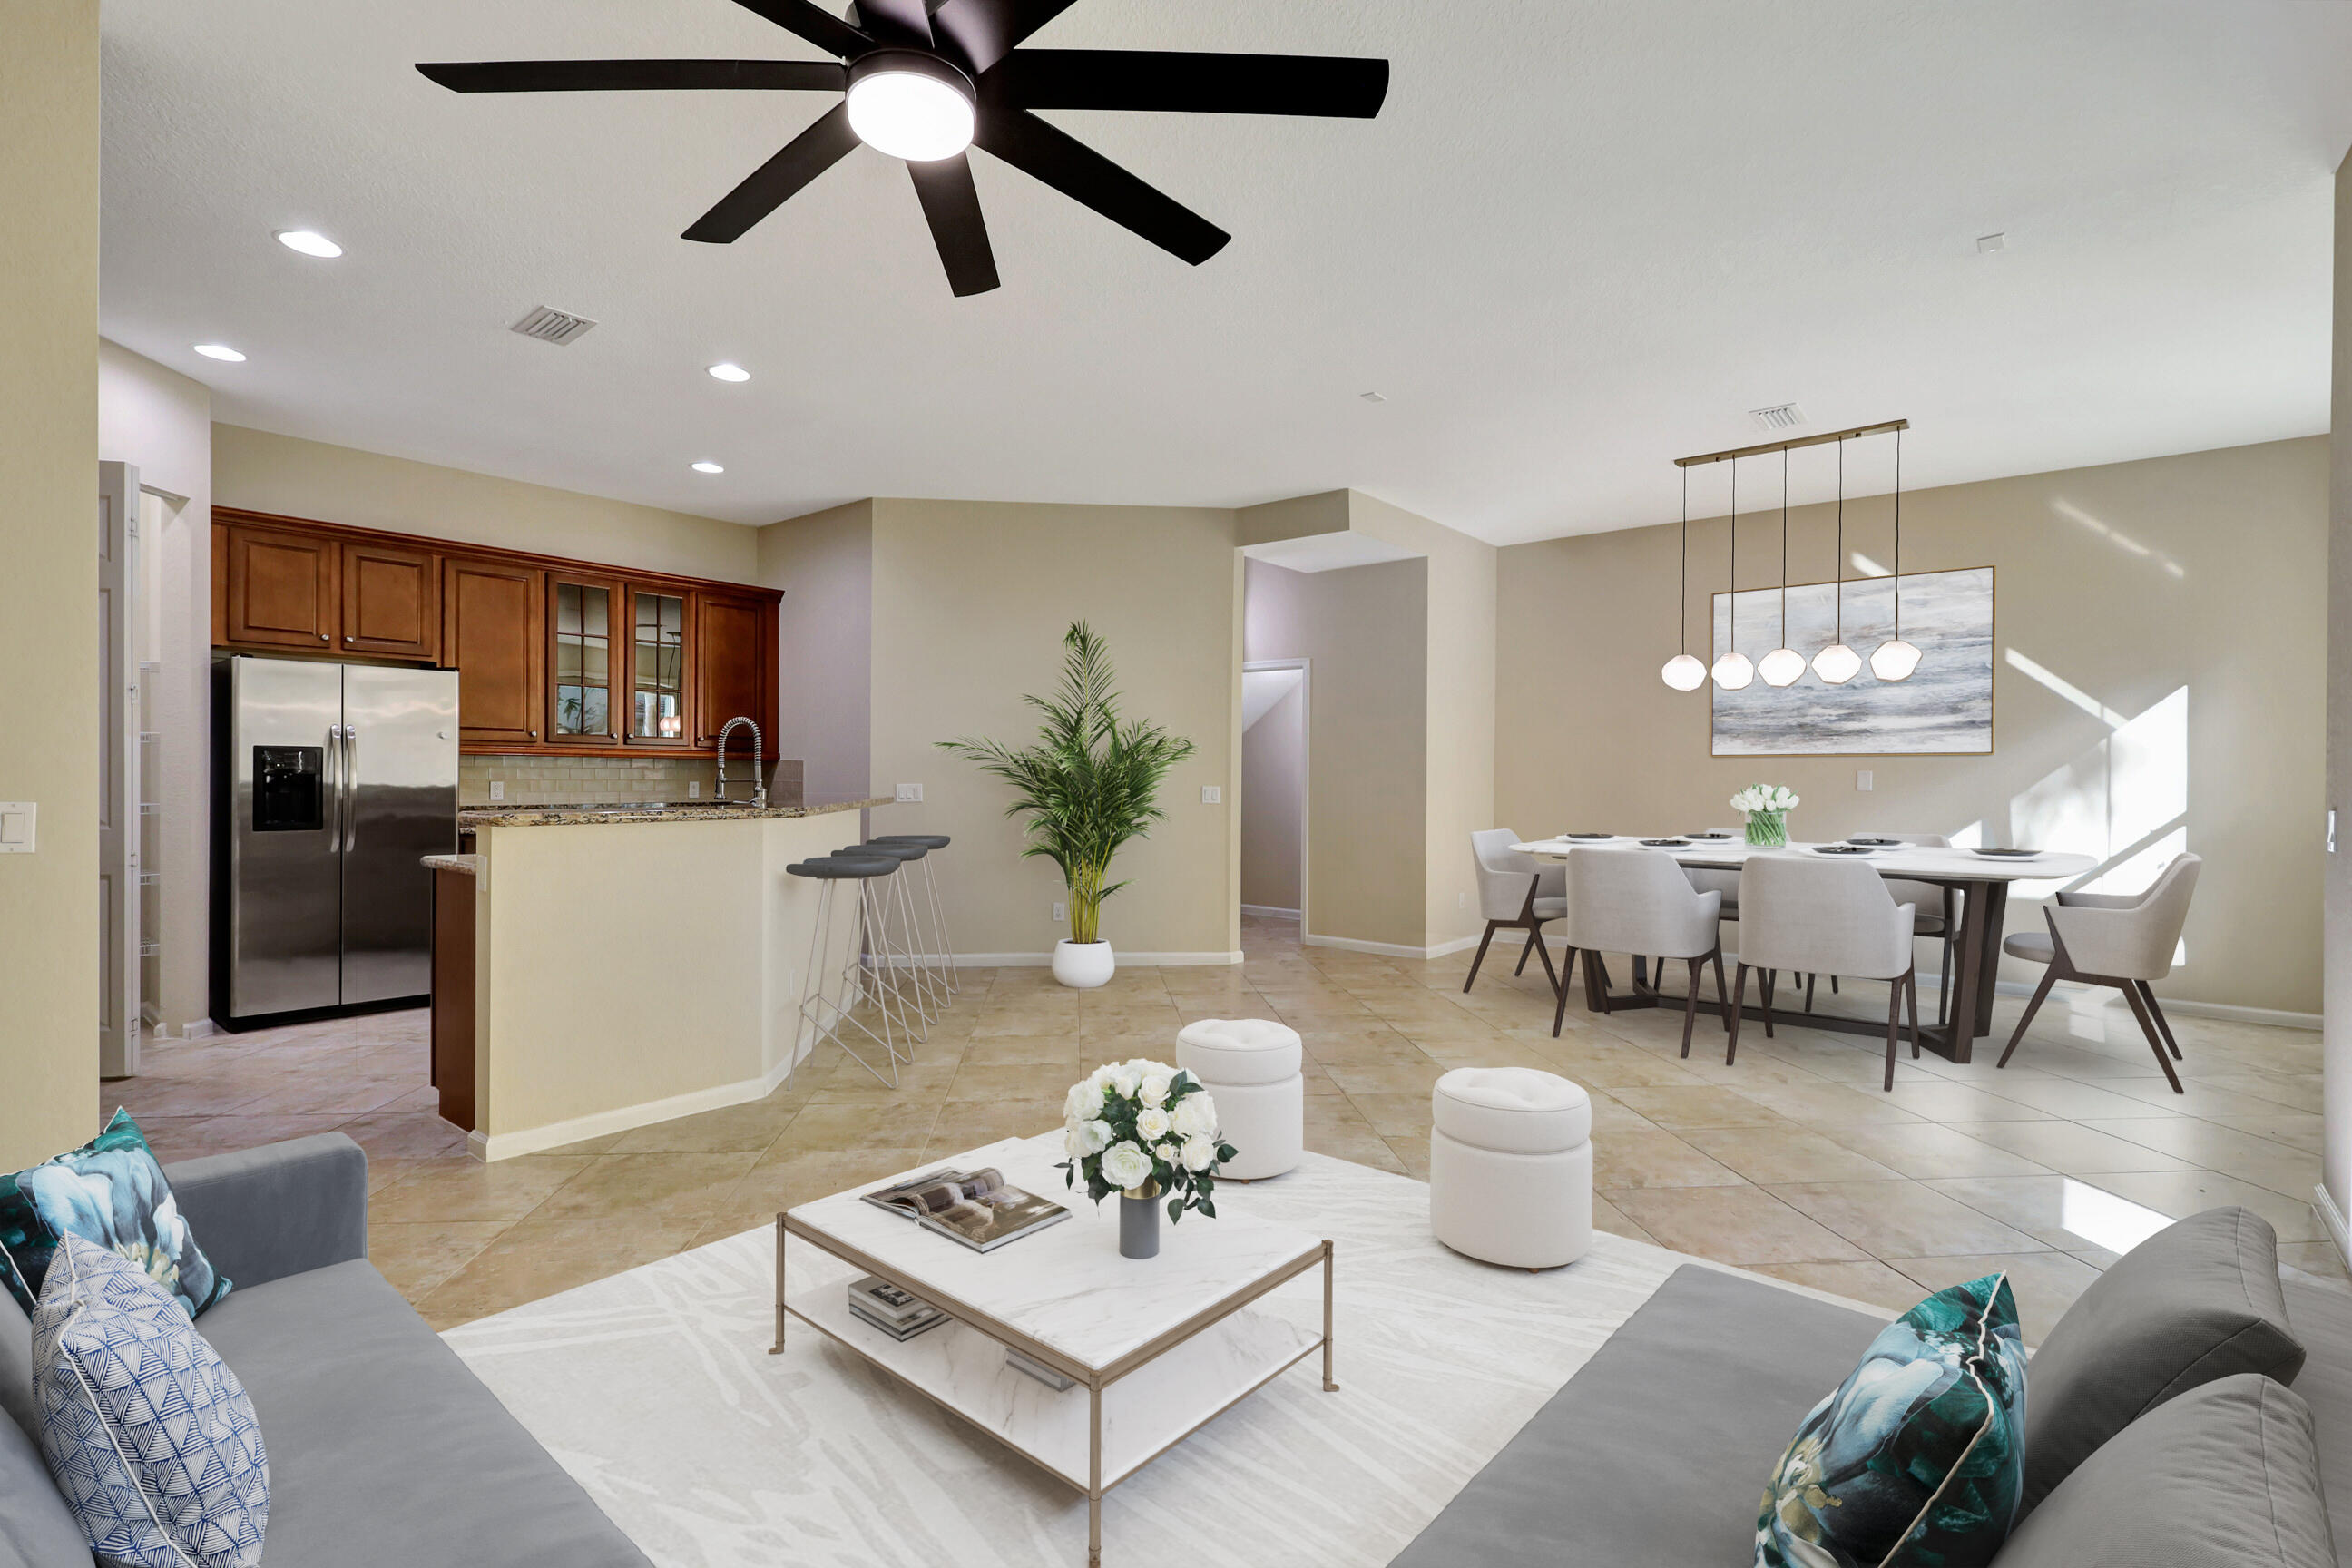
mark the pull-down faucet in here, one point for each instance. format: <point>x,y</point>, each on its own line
<point>758,782</point>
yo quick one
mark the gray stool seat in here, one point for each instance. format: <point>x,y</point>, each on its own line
<point>881,846</point>
<point>835,867</point>
<point>928,840</point>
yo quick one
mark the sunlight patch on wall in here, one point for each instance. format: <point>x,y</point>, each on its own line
<point>2124,802</point>
<point>2120,540</point>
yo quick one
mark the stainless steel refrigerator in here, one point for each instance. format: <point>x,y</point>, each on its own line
<point>330,782</point>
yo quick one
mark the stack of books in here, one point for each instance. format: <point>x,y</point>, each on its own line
<point>896,1312</point>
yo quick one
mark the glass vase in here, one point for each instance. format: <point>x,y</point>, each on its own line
<point>1767,829</point>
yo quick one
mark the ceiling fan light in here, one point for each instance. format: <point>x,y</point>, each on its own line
<point>1780,667</point>
<point>1894,660</point>
<point>1733,672</point>
<point>1837,663</point>
<point>910,114</point>
<point>1684,672</point>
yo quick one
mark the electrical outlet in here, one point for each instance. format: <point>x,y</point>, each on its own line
<point>910,793</point>
<point>498,789</point>
<point>693,789</point>
<point>1213,795</point>
<point>1061,911</point>
<point>1864,779</point>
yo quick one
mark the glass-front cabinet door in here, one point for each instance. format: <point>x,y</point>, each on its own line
<point>658,662</point>
<point>584,661</point>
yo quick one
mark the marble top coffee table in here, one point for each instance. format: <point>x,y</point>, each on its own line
<point>1156,1347</point>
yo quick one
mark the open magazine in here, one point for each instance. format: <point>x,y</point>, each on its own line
<point>976,1207</point>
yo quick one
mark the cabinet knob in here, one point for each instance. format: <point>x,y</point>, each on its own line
<point>534,734</point>
<point>323,637</point>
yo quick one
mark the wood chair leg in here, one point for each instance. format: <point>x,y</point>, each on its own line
<point>2048,978</point>
<point>1809,991</point>
<point>1722,1000</point>
<point>1525,953</point>
<point>1596,978</point>
<point>1738,996</point>
<point>1543,952</point>
<point>1690,1005</point>
<point>1911,995</point>
<point>1893,1011</point>
<point>1764,990</point>
<point>1474,963</point>
<point>1833,985</point>
<point>2163,1023</point>
<point>1559,1010</point>
<point>2155,1041</point>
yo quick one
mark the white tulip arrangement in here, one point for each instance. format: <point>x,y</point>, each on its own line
<point>1764,797</point>
<point>1142,1128</point>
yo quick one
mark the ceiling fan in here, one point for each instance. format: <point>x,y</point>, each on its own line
<point>925,79</point>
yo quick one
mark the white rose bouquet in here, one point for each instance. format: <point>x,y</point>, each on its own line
<point>1143,1128</point>
<point>1766,807</point>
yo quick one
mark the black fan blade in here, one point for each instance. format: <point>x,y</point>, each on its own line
<point>1083,174</point>
<point>804,157</point>
<point>952,205</point>
<point>1201,83</point>
<point>987,30</point>
<point>895,21</point>
<point>818,26</point>
<point>638,76</point>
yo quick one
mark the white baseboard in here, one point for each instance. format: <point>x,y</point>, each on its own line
<point>490,1146</point>
<point>2226,1010</point>
<point>1388,949</point>
<point>1040,959</point>
<point>2332,1217</point>
<point>1269,911</point>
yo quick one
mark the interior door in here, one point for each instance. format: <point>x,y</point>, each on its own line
<point>117,807</point>
<point>399,797</point>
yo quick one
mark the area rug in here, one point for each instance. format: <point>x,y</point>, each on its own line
<point>655,1390</point>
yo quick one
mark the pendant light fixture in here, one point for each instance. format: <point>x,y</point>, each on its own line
<point>1732,672</point>
<point>1683,672</point>
<point>1837,663</point>
<point>1784,663</point>
<point>1894,659</point>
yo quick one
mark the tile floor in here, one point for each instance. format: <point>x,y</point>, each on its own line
<point>1793,1162</point>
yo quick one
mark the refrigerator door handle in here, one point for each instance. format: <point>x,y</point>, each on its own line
<point>333,789</point>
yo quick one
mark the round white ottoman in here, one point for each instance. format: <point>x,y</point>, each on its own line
<point>1510,1166</point>
<point>1251,1069</point>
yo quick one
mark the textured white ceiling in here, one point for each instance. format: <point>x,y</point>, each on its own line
<point>1582,238</point>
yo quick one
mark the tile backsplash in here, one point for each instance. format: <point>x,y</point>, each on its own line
<point>538,778</point>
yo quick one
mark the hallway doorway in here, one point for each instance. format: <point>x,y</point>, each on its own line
<point>1273,789</point>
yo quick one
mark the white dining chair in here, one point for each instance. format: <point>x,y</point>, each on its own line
<point>1938,917</point>
<point>2119,940</point>
<point>1637,901</point>
<point>1799,911</point>
<point>1516,892</point>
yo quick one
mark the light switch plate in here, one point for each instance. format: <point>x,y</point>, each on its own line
<point>1865,779</point>
<point>910,793</point>
<point>498,789</point>
<point>1213,795</point>
<point>19,822</point>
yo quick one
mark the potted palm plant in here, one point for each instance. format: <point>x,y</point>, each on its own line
<point>1089,784</point>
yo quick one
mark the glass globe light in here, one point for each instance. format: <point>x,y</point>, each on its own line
<point>1894,660</point>
<point>1780,667</point>
<point>1837,663</point>
<point>1684,673</point>
<point>1733,672</point>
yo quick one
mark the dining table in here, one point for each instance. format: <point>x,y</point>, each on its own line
<point>1982,879</point>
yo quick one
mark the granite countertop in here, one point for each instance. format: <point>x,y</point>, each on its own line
<point>684,811</point>
<point>471,864</point>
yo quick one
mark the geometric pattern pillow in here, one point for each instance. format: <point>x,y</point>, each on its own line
<point>1917,1459</point>
<point>148,1433</point>
<point>111,1190</point>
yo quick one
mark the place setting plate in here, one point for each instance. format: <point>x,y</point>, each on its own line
<point>2006,853</point>
<point>1874,843</point>
<point>1707,838</point>
<point>1845,849</point>
<point>1588,836</point>
<point>1665,842</point>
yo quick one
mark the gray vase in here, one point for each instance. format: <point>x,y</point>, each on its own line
<point>1139,1227</point>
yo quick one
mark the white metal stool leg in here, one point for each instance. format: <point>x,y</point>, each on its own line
<point>932,996</point>
<point>946,945</point>
<point>818,1002</point>
<point>936,944</point>
<point>882,970</point>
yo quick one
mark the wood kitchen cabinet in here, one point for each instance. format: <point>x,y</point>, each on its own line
<point>390,601</point>
<point>551,655</point>
<point>493,634</point>
<point>280,588</point>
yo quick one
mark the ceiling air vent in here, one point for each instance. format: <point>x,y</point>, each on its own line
<point>1780,416</point>
<point>555,327</point>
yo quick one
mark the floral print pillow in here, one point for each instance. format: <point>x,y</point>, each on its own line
<point>109,1192</point>
<point>1917,1459</point>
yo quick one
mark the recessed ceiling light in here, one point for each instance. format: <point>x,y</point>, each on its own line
<point>309,242</point>
<point>220,352</point>
<point>1989,243</point>
<point>728,369</point>
<point>1371,396</point>
<point>708,467</point>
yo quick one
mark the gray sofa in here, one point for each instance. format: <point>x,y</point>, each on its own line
<point>384,1450</point>
<point>1657,1451</point>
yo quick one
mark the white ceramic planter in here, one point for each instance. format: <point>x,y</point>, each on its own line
<point>1083,965</point>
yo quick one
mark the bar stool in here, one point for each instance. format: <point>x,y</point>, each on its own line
<point>895,939</point>
<point>941,945</point>
<point>915,849</point>
<point>816,998</point>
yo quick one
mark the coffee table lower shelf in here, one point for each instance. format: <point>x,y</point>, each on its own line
<point>1144,1414</point>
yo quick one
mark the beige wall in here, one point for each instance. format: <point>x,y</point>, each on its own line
<point>1273,802</point>
<point>48,593</point>
<point>161,421</point>
<point>1364,632</point>
<point>2336,1084</point>
<point>824,564</point>
<point>2130,583</point>
<point>970,601</point>
<point>262,472</point>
